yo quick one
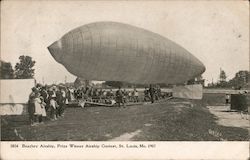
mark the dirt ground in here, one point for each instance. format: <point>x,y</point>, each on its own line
<point>227,117</point>
<point>171,120</point>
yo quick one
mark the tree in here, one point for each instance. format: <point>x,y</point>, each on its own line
<point>223,76</point>
<point>241,79</point>
<point>7,71</point>
<point>222,79</point>
<point>24,69</point>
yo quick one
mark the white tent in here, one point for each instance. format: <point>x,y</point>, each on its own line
<point>14,95</point>
<point>188,91</point>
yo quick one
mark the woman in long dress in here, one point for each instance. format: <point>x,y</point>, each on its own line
<point>38,108</point>
<point>31,106</point>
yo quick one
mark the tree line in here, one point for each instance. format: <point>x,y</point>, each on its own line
<point>22,70</point>
<point>240,80</point>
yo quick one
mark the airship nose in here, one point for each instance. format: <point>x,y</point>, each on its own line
<point>55,50</point>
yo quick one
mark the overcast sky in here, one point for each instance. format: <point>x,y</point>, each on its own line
<point>217,33</point>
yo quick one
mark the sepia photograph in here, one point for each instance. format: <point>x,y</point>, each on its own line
<point>124,71</point>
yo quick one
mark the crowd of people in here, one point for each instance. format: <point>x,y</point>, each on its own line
<point>49,102</point>
<point>106,96</point>
<point>120,96</point>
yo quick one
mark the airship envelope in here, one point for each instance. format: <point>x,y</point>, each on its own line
<point>111,51</point>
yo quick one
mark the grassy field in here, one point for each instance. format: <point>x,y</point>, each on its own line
<point>171,120</point>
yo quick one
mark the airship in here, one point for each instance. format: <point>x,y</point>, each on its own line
<point>113,51</point>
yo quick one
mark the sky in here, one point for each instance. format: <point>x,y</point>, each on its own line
<point>216,32</point>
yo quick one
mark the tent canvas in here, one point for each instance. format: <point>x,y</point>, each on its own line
<point>188,91</point>
<point>15,90</point>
